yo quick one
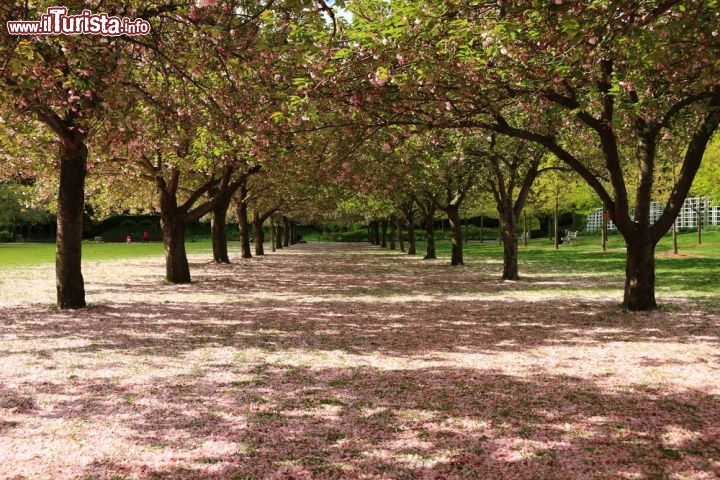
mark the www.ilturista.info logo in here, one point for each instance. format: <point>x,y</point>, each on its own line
<point>57,22</point>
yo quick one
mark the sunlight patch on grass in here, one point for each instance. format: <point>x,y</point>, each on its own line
<point>511,450</point>
<point>396,451</point>
<point>330,413</point>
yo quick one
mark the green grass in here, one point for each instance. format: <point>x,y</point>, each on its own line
<point>695,270</point>
<point>14,255</point>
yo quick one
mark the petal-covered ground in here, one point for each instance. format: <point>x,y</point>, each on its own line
<point>337,361</point>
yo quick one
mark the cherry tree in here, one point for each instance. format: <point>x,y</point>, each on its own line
<point>513,166</point>
<point>67,83</point>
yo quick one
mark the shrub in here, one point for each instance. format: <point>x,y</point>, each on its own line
<point>6,236</point>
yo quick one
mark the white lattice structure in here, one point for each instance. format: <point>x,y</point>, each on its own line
<point>687,218</point>
<point>714,215</point>
<point>594,221</point>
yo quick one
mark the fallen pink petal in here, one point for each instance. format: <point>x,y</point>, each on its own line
<point>333,361</point>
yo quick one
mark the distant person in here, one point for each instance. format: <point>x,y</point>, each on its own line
<point>129,238</point>
<point>146,236</point>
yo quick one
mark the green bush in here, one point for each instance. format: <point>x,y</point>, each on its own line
<point>351,236</point>
<point>6,236</point>
<point>472,232</point>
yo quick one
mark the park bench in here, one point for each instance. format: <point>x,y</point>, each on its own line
<point>570,238</point>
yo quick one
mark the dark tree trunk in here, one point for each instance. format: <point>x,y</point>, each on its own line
<point>412,249</point>
<point>293,233</point>
<point>383,233</point>
<point>273,233</point>
<point>286,232</point>
<point>177,269</point>
<point>278,236</point>
<point>640,271</point>
<point>71,205</point>
<point>218,230</point>
<point>453,213</point>
<point>258,234</point>
<point>243,224</point>
<point>482,229</point>
<point>393,233</point>
<point>376,232</point>
<point>556,226</point>
<point>549,227</point>
<point>427,208</point>
<point>399,233</point>
<point>430,253</point>
<point>510,244</point>
<point>370,233</point>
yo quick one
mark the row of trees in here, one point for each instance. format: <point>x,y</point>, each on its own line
<point>186,111</point>
<point>379,108</point>
<point>614,90</point>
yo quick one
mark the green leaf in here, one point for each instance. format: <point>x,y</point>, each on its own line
<point>571,26</point>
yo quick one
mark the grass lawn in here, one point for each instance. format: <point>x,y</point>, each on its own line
<point>694,271</point>
<point>13,255</point>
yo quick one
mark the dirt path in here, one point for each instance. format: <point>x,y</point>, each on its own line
<point>338,361</point>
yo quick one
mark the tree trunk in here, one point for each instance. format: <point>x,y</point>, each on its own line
<point>376,232</point>
<point>383,233</point>
<point>430,253</point>
<point>243,224</point>
<point>286,231</point>
<point>278,236</point>
<point>549,227</point>
<point>293,233</point>
<point>393,233</point>
<point>177,269</point>
<point>70,209</point>
<point>640,271</point>
<point>218,230</point>
<point>412,249</point>
<point>453,213</point>
<point>557,213</point>
<point>399,233</point>
<point>603,232</point>
<point>510,245</point>
<point>258,234</point>
<point>273,234</point>
<point>482,229</point>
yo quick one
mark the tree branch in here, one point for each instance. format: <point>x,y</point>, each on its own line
<point>691,163</point>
